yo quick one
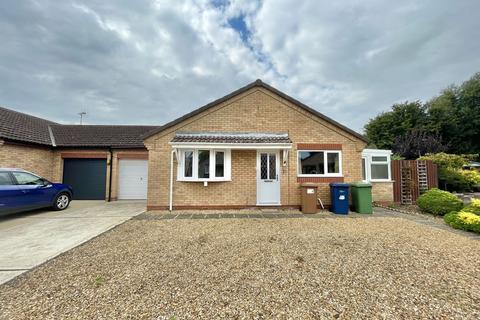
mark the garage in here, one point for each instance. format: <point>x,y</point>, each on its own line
<point>87,177</point>
<point>132,179</point>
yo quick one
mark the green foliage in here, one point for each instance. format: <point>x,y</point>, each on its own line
<point>450,172</point>
<point>439,202</point>
<point>463,220</point>
<point>445,160</point>
<point>473,207</point>
<point>454,115</point>
<point>387,126</point>
<point>99,280</point>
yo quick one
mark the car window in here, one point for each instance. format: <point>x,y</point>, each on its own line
<point>5,179</point>
<point>24,178</point>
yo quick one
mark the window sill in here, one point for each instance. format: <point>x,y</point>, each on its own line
<point>380,180</point>
<point>332,175</point>
<point>317,179</point>
<point>204,180</point>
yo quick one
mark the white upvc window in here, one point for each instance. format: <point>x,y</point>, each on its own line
<point>204,165</point>
<point>376,165</point>
<point>319,163</point>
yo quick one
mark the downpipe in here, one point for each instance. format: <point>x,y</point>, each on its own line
<point>170,205</point>
<point>110,177</point>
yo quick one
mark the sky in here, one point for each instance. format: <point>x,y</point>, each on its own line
<point>149,62</point>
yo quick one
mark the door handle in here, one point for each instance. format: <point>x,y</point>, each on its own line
<point>24,191</point>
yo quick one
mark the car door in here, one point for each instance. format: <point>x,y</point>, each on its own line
<point>9,194</point>
<point>35,192</point>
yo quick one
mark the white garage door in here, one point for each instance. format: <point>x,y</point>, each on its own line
<point>132,179</point>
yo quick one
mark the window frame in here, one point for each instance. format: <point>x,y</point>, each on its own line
<point>227,168</point>
<point>325,164</point>
<point>368,155</point>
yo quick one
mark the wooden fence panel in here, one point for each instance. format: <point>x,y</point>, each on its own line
<point>397,195</point>
<point>398,165</point>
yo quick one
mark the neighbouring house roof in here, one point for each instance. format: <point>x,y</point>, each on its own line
<point>24,127</point>
<point>21,127</point>
<point>115,136</point>
<point>230,137</point>
<point>258,83</point>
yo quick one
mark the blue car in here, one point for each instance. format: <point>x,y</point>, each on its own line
<point>21,190</point>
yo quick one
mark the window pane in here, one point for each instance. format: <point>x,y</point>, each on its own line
<point>273,166</point>
<point>24,178</point>
<point>263,166</point>
<point>203,163</point>
<point>311,162</point>
<point>333,162</point>
<point>5,179</point>
<point>379,171</point>
<point>383,159</point>
<point>219,164</point>
<point>188,169</point>
<point>364,172</point>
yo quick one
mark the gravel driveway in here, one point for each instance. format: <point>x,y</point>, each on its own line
<point>376,267</point>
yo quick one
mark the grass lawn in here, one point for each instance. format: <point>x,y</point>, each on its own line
<point>373,267</point>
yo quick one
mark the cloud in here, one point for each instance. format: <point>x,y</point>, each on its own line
<point>148,62</point>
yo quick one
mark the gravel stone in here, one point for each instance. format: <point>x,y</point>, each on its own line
<point>376,267</point>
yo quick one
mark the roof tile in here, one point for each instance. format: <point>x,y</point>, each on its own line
<point>24,127</point>
<point>231,137</point>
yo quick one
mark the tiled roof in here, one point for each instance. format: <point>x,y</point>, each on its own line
<point>259,84</point>
<point>231,137</point>
<point>24,127</point>
<point>21,127</point>
<point>115,136</point>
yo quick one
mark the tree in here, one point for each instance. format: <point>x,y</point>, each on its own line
<point>454,116</point>
<point>417,143</point>
<point>384,129</point>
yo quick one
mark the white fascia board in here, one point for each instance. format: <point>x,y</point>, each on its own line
<point>244,146</point>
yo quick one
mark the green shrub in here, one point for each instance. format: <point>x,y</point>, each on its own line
<point>463,220</point>
<point>446,160</point>
<point>439,202</point>
<point>450,172</point>
<point>473,207</point>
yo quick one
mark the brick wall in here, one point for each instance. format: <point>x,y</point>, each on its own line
<point>257,110</point>
<point>35,159</point>
<point>382,192</point>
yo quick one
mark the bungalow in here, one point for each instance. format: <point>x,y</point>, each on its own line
<point>253,147</point>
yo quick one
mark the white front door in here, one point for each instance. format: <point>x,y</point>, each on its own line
<point>132,179</point>
<point>268,178</point>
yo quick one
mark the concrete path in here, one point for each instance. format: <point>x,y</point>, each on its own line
<point>29,239</point>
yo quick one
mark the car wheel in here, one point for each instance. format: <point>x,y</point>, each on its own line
<point>61,202</point>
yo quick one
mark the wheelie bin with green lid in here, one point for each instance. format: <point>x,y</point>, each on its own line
<point>362,197</point>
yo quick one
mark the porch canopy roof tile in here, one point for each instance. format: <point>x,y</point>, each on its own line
<point>232,139</point>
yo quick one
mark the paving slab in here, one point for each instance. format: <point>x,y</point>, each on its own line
<point>30,239</point>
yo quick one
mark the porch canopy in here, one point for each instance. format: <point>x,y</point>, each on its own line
<point>231,140</point>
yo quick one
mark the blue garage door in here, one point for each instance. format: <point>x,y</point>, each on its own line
<point>87,178</point>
